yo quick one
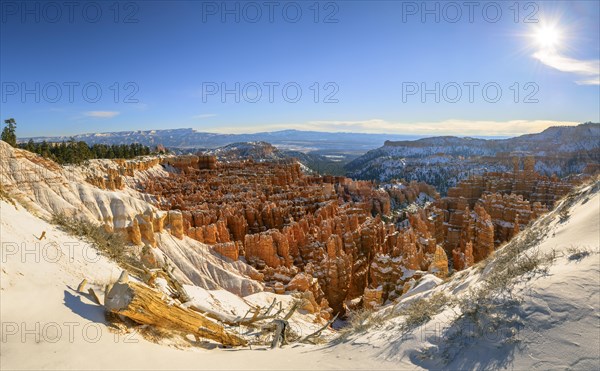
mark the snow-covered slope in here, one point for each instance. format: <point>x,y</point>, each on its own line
<point>47,324</point>
<point>535,304</point>
<point>46,188</point>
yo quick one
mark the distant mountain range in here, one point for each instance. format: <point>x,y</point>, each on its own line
<point>443,161</point>
<point>297,140</point>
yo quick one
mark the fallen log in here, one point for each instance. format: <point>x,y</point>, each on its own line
<point>107,289</point>
<point>229,319</point>
<point>182,295</point>
<point>151,307</point>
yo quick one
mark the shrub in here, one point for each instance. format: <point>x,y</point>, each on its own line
<point>577,253</point>
<point>111,244</point>
<point>6,197</point>
<point>359,321</point>
<point>421,310</point>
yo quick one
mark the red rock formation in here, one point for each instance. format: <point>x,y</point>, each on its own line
<point>526,183</point>
<point>290,226</point>
<point>479,230</point>
<point>284,223</point>
<point>463,256</point>
<point>336,271</point>
<point>110,175</point>
<point>506,209</point>
<point>143,228</point>
<point>133,233</point>
<point>313,297</point>
<point>175,220</point>
<point>230,250</point>
<point>373,298</point>
<point>503,203</point>
<point>402,193</point>
<point>270,248</point>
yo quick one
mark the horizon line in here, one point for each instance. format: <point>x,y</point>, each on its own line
<point>410,134</point>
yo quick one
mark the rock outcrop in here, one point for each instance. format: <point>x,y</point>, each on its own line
<point>46,188</point>
<point>482,212</point>
<point>286,224</point>
<point>111,174</point>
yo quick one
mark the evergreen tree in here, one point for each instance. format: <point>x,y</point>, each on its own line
<point>30,146</point>
<point>73,152</point>
<point>9,132</point>
<point>44,149</point>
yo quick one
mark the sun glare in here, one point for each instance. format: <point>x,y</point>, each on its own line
<point>547,37</point>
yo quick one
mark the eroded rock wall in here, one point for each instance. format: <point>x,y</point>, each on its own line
<point>287,224</point>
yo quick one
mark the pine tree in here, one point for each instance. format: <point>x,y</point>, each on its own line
<point>30,146</point>
<point>44,149</point>
<point>73,152</point>
<point>9,132</point>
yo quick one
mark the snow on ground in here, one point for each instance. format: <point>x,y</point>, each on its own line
<point>46,188</point>
<point>548,320</point>
<point>224,302</point>
<point>201,266</point>
<point>46,324</point>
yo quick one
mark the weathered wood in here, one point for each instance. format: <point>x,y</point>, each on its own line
<point>256,313</point>
<point>124,277</point>
<point>292,310</point>
<point>81,286</point>
<point>318,332</point>
<point>107,289</point>
<point>221,317</point>
<point>94,296</point>
<point>182,295</point>
<point>270,307</point>
<point>279,335</point>
<point>151,307</point>
<point>149,276</point>
<point>229,319</point>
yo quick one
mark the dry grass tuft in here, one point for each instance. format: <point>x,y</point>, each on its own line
<point>422,310</point>
<point>111,244</point>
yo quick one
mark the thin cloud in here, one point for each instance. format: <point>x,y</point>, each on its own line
<point>592,81</point>
<point>102,114</point>
<point>590,68</point>
<point>204,116</point>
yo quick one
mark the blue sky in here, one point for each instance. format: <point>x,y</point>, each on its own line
<point>360,66</point>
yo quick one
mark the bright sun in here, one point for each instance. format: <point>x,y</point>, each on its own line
<point>547,37</point>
